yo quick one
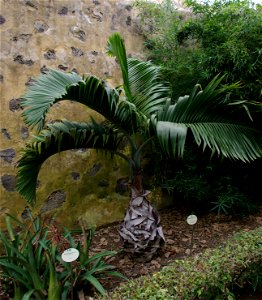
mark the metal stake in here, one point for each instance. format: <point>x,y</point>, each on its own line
<point>192,239</point>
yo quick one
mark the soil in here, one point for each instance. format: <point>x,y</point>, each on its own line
<point>210,230</point>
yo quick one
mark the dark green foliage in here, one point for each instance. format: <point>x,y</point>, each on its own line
<point>232,199</point>
<point>200,183</point>
<point>32,264</point>
<point>23,266</point>
<point>222,37</point>
<point>213,274</point>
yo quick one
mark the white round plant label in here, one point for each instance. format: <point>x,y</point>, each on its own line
<point>191,220</point>
<point>70,255</point>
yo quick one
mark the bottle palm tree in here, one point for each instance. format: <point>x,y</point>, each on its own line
<point>140,106</point>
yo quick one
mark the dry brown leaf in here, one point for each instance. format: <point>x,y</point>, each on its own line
<point>170,242</point>
<point>187,252</point>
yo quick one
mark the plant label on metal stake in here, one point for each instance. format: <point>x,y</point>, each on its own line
<point>70,255</point>
<point>191,220</point>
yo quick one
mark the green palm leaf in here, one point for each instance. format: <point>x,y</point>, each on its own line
<point>215,122</point>
<point>43,94</point>
<point>59,137</point>
<point>108,102</point>
<point>142,80</point>
<point>149,91</point>
<point>89,91</point>
<point>116,47</point>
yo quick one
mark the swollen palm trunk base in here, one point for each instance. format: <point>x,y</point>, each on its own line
<point>141,232</point>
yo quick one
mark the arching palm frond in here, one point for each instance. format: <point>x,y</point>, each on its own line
<point>45,91</point>
<point>214,122</point>
<point>58,137</point>
<point>97,95</point>
<point>56,86</point>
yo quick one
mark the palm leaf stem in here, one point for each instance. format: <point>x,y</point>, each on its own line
<point>137,155</point>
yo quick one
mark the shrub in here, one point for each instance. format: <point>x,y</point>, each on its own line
<point>210,275</point>
<point>210,38</point>
<point>200,184</point>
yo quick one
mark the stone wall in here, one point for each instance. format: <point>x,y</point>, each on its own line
<point>66,35</point>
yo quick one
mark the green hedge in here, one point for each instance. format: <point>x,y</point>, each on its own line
<point>210,275</point>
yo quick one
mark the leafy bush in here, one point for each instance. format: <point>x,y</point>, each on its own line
<point>32,264</point>
<point>211,275</point>
<point>200,184</point>
<point>209,38</point>
<point>230,199</point>
<point>23,267</point>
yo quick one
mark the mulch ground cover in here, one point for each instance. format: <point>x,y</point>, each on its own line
<point>210,231</point>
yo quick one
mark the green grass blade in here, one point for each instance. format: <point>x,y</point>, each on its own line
<point>27,295</point>
<point>95,284</point>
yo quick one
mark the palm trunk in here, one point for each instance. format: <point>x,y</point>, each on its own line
<point>141,232</point>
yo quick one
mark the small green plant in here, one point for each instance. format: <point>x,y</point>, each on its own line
<point>230,200</point>
<point>24,264</point>
<point>87,270</point>
<point>222,205</point>
<point>32,265</point>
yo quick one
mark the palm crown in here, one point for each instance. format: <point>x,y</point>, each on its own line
<point>141,104</point>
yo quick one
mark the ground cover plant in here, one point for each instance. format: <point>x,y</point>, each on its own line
<point>214,274</point>
<point>137,112</point>
<point>32,267</point>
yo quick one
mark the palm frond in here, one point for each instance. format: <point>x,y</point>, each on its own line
<point>149,91</point>
<point>116,47</point>
<point>57,137</point>
<point>142,81</point>
<point>224,127</point>
<point>234,141</point>
<point>89,91</point>
<point>43,93</point>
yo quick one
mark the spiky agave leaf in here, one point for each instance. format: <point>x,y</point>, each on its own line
<point>55,138</point>
<point>215,122</point>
